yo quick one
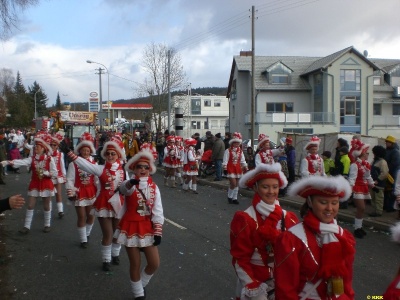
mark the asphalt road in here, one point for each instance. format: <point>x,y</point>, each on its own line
<point>195,260</point>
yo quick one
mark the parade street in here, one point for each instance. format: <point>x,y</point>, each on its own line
<point>195,259</point>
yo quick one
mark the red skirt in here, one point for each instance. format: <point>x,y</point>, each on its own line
<point>361,192</point>
<point>135,233</point>
<point>234,171</point>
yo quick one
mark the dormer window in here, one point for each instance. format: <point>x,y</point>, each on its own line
<point>278,73</point>
<point>377,80</point>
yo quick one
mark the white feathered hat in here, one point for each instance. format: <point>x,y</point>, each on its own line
<point>143,155</point>
<point>314,141</point>
<point>263,171</point>
<point>321,185</point>
<point>87,140</point>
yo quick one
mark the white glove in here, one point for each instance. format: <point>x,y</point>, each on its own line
<point>46,173</point>
<point>4,163</point>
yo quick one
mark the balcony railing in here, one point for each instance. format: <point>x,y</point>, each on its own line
<point>292,118</point>
<point>386,121</point>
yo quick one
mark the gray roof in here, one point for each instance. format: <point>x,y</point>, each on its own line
<point>385,64</point>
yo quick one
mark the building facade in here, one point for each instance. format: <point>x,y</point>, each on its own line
<point>344,92</point>
<point>202,113</point>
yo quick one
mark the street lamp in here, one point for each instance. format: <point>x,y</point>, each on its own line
<point>35,116</point>
<point>108,90</point>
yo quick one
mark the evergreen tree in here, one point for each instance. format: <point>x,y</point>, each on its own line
<point>19,105</point>
<point>58,102</point>
<point>41,99</point>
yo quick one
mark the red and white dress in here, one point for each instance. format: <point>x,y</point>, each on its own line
<point>109,201</point>
<point>84,184</point>
<point>253,235</point>
<point>190,167</point>
<point>233,162</point>
<point>312,165</point>
<point>393,290</point>
<point>43,169</point>
<point>180,155</point>
<point>360,179</point>
<point>58,158</point>
<point>298,255</point>
<point>170,157</point>
<point>143,215</point>
<point>266,156</point>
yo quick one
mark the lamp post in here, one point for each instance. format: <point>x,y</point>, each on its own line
<point>35,116</point>
<point>108,89</point>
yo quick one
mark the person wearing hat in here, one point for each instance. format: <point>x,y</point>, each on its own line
<point>81,188</point>
<point>312,164</point>
<point>393,160</point>
<point>360,179</point>
<point>59,160</point>
<point>170,161</point>
<point>341,142</point>
<point>291,159</point>
<point>235,164</point>
<point>265,155</point>
<point>314,259</point>
<point>190,166</point>
<point>255,230</point>
<point>41,184</point>
<point>142,219</point>
<point>109,201</point>
<point>379,173</point>
<point>393,290</point>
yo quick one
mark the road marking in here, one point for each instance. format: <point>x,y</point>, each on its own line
<point>175,224</point>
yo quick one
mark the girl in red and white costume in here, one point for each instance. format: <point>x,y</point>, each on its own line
<point>170,161</point>
<point>265,155</point>
<point>180,153</point>
<point>312,164</point>
<point>360,179</point>
<point>255,230</point>
<point>234,163</point>
<point>393,290</point>
<point>81,188</point>
<point>190,166</point>
<point>108,202</point>
<point>314,259</point>
<point>58,158</point>
<point>140,227</point>
<point>43,169</point>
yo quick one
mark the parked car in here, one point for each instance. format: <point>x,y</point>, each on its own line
<point>246,143</point>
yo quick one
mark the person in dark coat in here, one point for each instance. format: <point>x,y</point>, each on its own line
<point>340,143</point>
<point>393,161</point>
<point>209,141</point>
<point>227,138</point>
<point>291,159</point>
<point>218,151</point>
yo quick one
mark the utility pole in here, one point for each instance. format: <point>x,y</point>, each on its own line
<point>100,115</point>
<point>253,54</point>
<point>169,89</point>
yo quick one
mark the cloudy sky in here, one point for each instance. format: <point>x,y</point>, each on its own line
<point>56,37</point>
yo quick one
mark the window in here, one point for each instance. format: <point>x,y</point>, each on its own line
<point>377,80</point>
<point>217,103</point>
<point>279,79</point>
<point>206,125</point>
<point>207,102</point>
<point>396,109</point>
<point>214,124</point>
<point>350,80</point>
<point>377,109</point>
<point>196,125</point>
<point>280,107</point>
<point>196,106</point>
<point>350,106</point>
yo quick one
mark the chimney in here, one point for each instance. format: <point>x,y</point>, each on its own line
<point>246,53</point>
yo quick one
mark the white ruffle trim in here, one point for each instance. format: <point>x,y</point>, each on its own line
<point>133,241</point>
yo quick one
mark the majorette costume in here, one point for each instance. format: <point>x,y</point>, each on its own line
<point>393,290</point>
<point>360,179</point>
<point>148,146</point>
<point>265,156</point>
<point>234,162</point>
<point>142,214</point>
<point>108,202</point>
<point>170,161</point>
<point>180,156</point>
<point>58,158</point>
<point>142,219</point>
<point>190,164</point>
<point>314,260</point>
<point>81,185</point>
<point>312,164</point>
<point>43,169</point>
<point>253,235</point>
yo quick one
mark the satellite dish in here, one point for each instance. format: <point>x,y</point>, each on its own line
<point>365,53</point>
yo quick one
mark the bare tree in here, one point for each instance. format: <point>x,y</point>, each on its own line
<point>155,63</point>
<point>9,11</point>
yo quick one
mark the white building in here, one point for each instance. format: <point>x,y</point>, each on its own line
<point>342,92</point>
<point>202,113</point>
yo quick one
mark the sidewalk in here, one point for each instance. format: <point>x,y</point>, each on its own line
<point>347,215</point>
